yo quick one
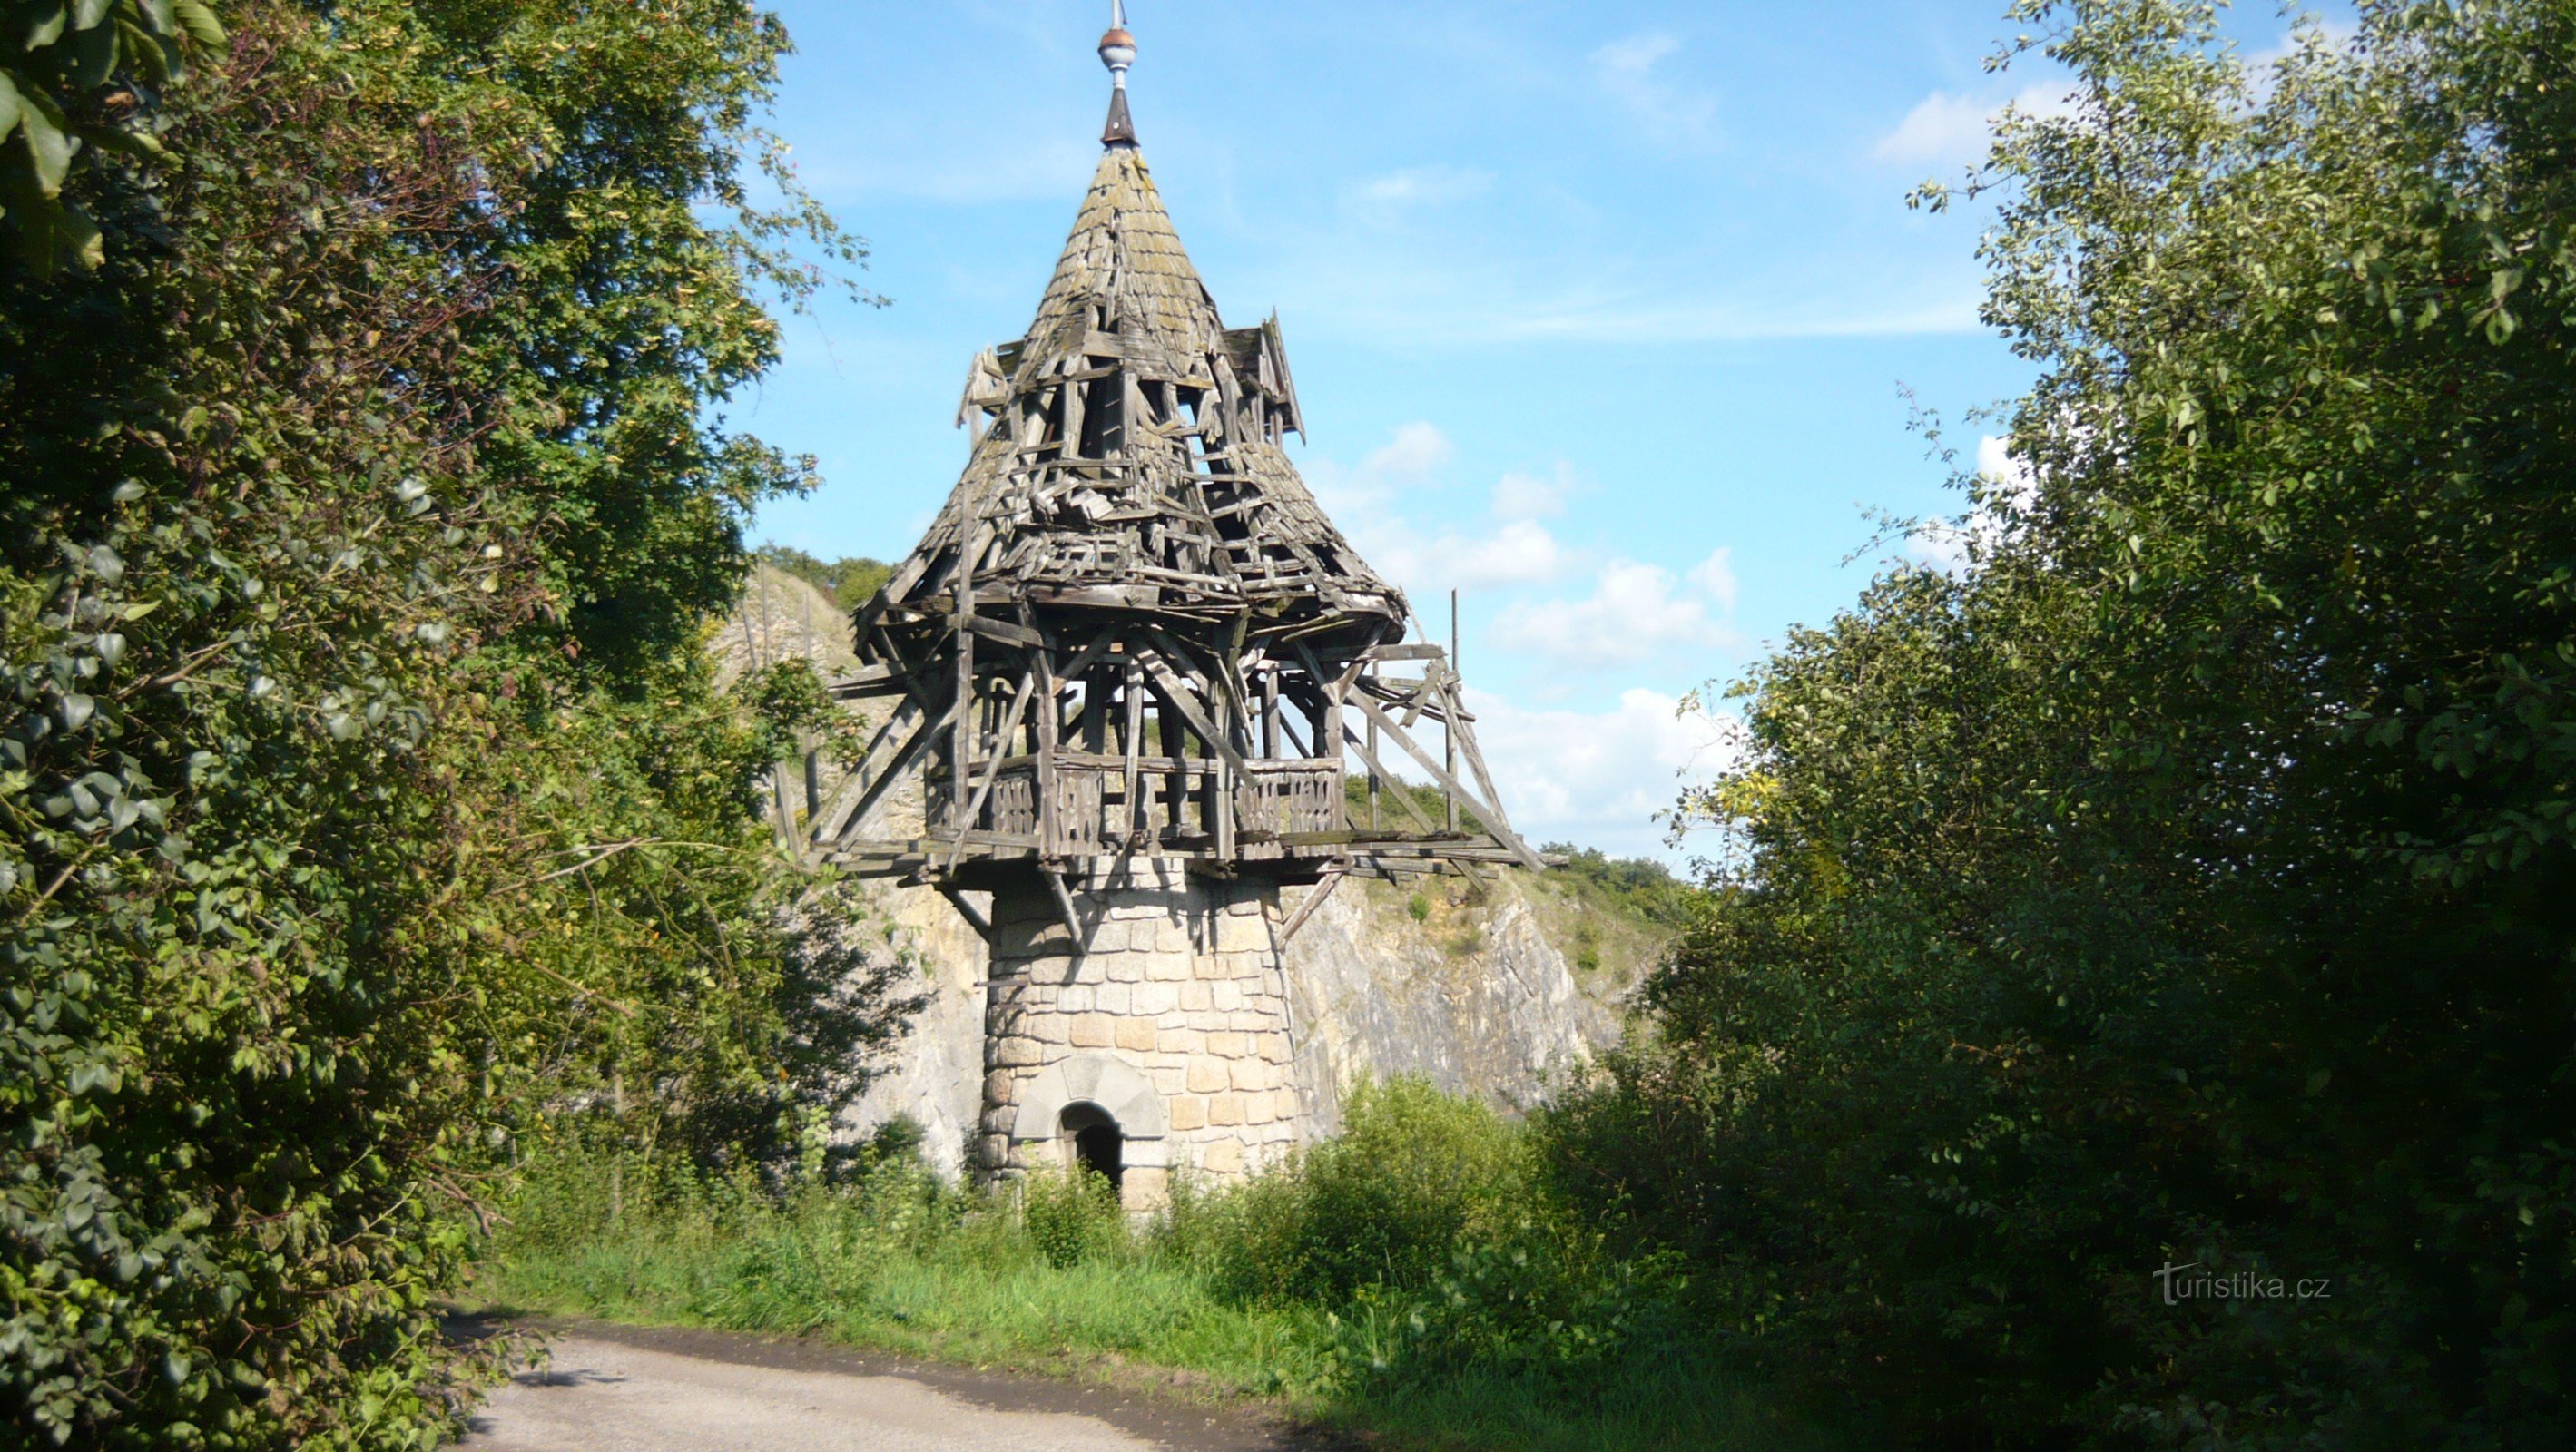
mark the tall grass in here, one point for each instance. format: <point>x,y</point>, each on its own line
<point>1413,1278</point>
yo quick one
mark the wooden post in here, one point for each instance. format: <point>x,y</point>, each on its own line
<point>1050,828</point>
<point>962,734</point>
<point>1448,725</point>
<point>1135,743</point>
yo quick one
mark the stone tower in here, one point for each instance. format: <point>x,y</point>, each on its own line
<point>1125,664</point>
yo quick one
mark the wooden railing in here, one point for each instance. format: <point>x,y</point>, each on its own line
<point>1172,811</point>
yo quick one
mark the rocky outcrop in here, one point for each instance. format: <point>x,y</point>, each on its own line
<point>1481,989</point>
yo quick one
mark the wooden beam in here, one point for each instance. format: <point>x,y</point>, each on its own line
<point>1501,833</point>
<point>877,789</point>
<point>825,827</point>
<point>1049,830</point>
<point>1484,779</point>
<point>1064,905</point>
<point>993,768</point>
<point>1133,693</point>
<point>1306,909</point>
<point>1404,799</point>
<point>982,925</point>
<point>1179,693</point>
<point>1004,632</point>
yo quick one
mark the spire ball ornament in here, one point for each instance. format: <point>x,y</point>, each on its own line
<point>1118,52</point>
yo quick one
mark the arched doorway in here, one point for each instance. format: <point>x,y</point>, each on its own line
<point>1092,1142</point>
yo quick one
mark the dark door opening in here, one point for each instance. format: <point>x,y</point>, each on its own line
<point>1097,1145</point>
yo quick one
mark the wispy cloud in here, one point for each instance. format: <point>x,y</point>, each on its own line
<point>1630,71</point>
<point>1397,192</point>
<point>1597,777</point>
<point>1532,496</point>
<point>1464,304</point>
<point>1951,545</point>
<point>1941,127</point>
<point>1636,612</point>
<point>1366,502</point>
<point>1949,129</point>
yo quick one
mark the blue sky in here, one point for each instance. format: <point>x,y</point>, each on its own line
<point>1599,312</point>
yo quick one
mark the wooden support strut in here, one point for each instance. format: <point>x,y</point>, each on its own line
<point>992,768</point>
<point>1494,823</point>
<point>859,812</point>
<point>1306,909</point>
<point>1404,799</point>
<point>982,925</point>
<point>827,824</point>
<point>1064,904</point>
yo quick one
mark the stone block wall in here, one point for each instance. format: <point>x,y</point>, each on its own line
<point>1171,1015</point>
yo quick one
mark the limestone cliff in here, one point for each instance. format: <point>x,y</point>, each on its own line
<point>1500,990</point>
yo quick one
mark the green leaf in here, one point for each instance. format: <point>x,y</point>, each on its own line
<point>142,52</point>
<point>88,13</point>
<point>8,105</point>
<point>94,57</point>
<point>200,21</point>
<point>48,142</point>
<point>78,239</point>
<point>45,32</point>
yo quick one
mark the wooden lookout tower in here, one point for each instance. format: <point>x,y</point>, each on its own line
<point>1136,672</point>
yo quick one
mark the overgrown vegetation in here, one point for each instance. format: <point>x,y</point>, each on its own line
<point>1412,1278</point>
<point>2184,888</point>
<point>367,813</point>
<point>846,582</point>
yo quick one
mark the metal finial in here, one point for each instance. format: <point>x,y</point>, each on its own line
<point>1118,52</point>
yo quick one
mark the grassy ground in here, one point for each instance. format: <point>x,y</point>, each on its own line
<point>1430,1329</point>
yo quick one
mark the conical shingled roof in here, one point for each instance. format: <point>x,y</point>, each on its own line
<point>1130,459</point>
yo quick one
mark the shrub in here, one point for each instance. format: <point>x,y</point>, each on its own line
<point>1072,1216</point>
<point>1414,1172</point>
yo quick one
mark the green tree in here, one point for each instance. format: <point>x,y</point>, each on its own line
<point>2187,881</point>
<point>368,805</point>
<point>78,77</point>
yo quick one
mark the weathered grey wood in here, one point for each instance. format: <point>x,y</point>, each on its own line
<point>1064,905</point>
<point>982,925</point>
<point>993,769</point>
<point>1050,831</point>
<point>1004,632</point>
<point>865,808</point>
<point>1402,799</point>
<point>1179,695</point>
<point>1130,493</point>
<point>1306,909</point>
<point>1484,810</point>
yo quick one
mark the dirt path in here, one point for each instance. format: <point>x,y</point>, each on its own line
<point>622,1389</point>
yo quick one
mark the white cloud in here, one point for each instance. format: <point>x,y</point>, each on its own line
<point>1950,129</point>
<point>1675,115</point>
<point>1597,778</point>
<point>1520,553</point>
<point>1995,463</point>
<point>1425,186</point>
<point>1415,457</point>
<point>1365,503</point>
<point>1527,496</point>
<point>1948,545</point>
<point>1418,451</point>
<point>1715,577</point>
<point>1635,612</point>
